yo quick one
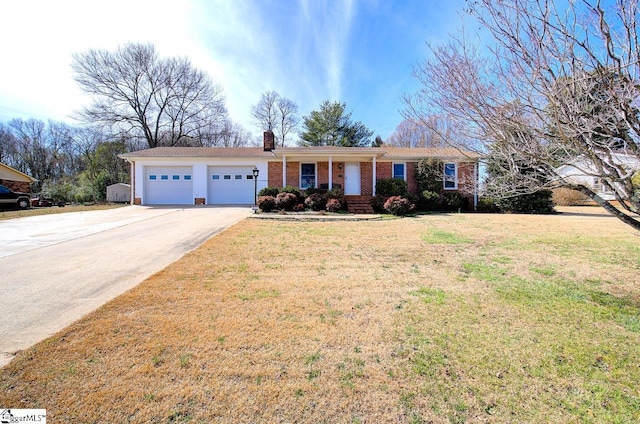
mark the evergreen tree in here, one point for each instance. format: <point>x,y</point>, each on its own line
<point>331,126</point>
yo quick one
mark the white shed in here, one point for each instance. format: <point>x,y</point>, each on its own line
<point>119,193</point>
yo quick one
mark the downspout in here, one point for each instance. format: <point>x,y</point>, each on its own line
<point>476,176</point>
<point>284,171</point>
<point>132,189</point>
<point>330,173</point>
<point>374,176</point>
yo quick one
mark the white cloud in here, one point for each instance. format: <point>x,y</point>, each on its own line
<point>40,37</point>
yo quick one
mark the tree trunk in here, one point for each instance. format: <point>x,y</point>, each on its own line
<point>629,220</point>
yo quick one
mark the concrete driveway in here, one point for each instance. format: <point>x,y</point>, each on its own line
<point>56,268</point>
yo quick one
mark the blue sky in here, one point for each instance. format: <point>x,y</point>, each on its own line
<point>358,52</point>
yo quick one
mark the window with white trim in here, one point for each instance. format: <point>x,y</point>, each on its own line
<point>307,175</point>
<point>399,171</point>
<point>600,186</point>
<point>450,179</point>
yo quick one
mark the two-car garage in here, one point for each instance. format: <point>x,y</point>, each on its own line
<point>174,185</point>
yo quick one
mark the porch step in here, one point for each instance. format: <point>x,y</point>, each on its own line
<point>359,204</point>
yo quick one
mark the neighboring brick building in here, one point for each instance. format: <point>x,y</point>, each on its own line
<point>15,180</point>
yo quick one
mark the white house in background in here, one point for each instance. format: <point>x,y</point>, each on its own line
<point>585,173</point>
<point>119,193</point>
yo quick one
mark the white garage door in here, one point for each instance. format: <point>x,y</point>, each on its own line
<point>168,185</point>
<point>231,185</point>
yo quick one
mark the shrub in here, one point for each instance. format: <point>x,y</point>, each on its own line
<point>568,197</point>
<point>487,204</point>
<point>334,205</point>
<point>391,187</point>
<point>269,191</point>
<point>313,190</point>
<point>399,206</point>
<point>538,202</point>
<point>430,201</point>
<point>286,201</point>
<point>377,203</point>
<point>429,175</point>
<point>266,203</point>
<point>289,189</point>
<point>316,202</point>
<point>453,201</point>
<point>298,208</point>
<point>335,193</point>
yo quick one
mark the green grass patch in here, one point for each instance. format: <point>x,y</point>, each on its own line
<point>436,236</point>
<point>430,295</point>
<point>259,294</point>
<point>485,271</point>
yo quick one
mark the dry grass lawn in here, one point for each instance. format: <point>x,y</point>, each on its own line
<point>439,318</point>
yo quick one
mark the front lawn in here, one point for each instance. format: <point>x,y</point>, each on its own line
<point>438,318</point>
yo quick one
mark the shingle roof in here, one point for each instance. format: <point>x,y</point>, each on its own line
<point>258,152</point>
<point>214,152</point>
<point>428,152</point>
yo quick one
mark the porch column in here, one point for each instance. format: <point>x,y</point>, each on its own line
<point>284,171</point>
<point>330,173</point>
<point>374,176</point>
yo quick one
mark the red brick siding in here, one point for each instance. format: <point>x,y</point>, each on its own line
<point>19,186</point>
<point>383,170</point>
<point>293,174</point>
<point>366,178</point>
<point>322,173</point>
<point>274,171</point>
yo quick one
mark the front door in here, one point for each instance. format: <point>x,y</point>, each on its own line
<point>352,179</point>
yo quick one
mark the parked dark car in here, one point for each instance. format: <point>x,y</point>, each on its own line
<point>13,199</point>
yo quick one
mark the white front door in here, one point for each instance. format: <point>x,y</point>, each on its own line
<point>352,179</point>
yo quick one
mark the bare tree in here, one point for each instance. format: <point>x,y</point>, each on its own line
<point>164,101</point>
<point>288,118</point>
<point>42,150</point>
<point>265,112</point>
<point>6,141</point>
<point>225,133</point>
<point>412,134</point>
<point>276,113</point>
<point>559,87</point>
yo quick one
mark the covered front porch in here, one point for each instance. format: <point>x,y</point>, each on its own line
<point>355,172</point>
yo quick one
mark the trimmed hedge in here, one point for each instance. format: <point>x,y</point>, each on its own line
<point>391,187</point>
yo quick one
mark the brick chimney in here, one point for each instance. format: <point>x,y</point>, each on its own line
<point>269,141</point>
